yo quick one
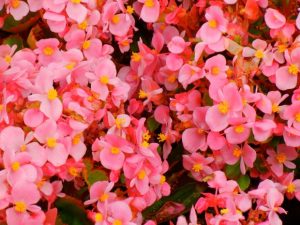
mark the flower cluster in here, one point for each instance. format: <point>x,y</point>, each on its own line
<point>120,103</point>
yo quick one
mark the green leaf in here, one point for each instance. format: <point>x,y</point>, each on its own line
<point>176,204</point>
<point>71,211</point>
<point>96,175</point>
<point>14,26</point>
<point>244,182</point>
<point>207,99</point>
<point>258,164</point>
<point>233,171</point>
<point>14,40</point>
<point>152,124</point>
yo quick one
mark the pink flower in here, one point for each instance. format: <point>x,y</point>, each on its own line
<point>23,198</point>
<point>292,115</point>
<point>119,212</point>
<point>198,165</point>
<point>263,129</point>
<point>18,9</point>
<point>112,154</point>
<point>233,153</point>
<point>177,45</point>
<point>274,19</point>
<point>150,10</point>
<point>286,76</point>
<point>188,74</point>
<point>283,156</point>
<point>48,134</point>
<point>238,132</point>
<point>50,105</point>
<point>100,192</point>
<point>229,102</point>
<point>291,136</point>
<point>291,186</point>
<point>215,68</point>
<point>211,31</point>
<point>47,50</point>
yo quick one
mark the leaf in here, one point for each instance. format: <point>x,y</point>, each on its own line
<point>233,171</point>
<point>233,47</point>
<point>14,40</point>
<point>152,124</point>
<point>176,204</point>
<point>71,211</point>
<point>207,99</point>
<point>244,182</point>
<point>91,174</point>
<point>13,26</point>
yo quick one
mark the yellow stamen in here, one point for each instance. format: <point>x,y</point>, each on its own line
<point>52,94</point>
<point>215,70</point>
<point>117,222</point>
<point>145,144</point>
<point>142,174</point>
<point>70,66</point>
<point>237,152</point>
<point>129,9</point>
<point>15,166</point>
<point>149,3</point>
<point>275,108</point>
<point>212,23</point>
<point>15,4</point>
<point>119,122</point>
<point>239,129</point>
<point>223,107</point>
<point>172,78</point>
<point>7,58</point>
<point>162,137</point>
<point>75,1</point>
<point>76,139</point>
<point>224,211</point>
<point>162,179</point>
<point>291,188</point>
<point>115,19</point>
<point>51,142</point>
<point>115,150</point>
<point>48,51</point>
<point>293,69</point>
<point>281,48</point>
<point>103,197</point>
<point>259,54</point>
<point>104,79</point>
<point>73,171</point>
<point>297,117</point>
<point>136,57</point>
<point>197,167</point>
<point>146,136</point>
<point>98,217</point>
<point>23,148</point>
<point>20,206</point>
<point>86,45</point>
<point>281,157</point>
<point>83,25</point>
<point>142,94</point>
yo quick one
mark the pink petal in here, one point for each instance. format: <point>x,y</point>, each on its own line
<point>76,12</point>
<point>285,80</point>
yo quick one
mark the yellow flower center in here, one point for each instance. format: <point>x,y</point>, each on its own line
<point>20,206</point>
<point>73,171</point>
<point>23,148</point>
<point>119,122</point>
<point>212,23</point>
<point>162,179</point>
<point>52,94</point>
<point>70,66</point>
<point>76,139</point>
<point>239,129</point>
<point>172,78</point>
<point>223,107</point>
<point>86,45</point>
<point>51,142</point>
<point>145,144</point>
<point>259,54</point>
<point>293,69</point>
<point>197,167</point>
<point>15,166</point>
<point>15,4</point>
<point>103,197</point>
<point>75,1</point>
<point>291,188</point>
<point>1,107</point>
<point>136,57</point>
<point>142,174</point>
<point>83,25</point>
<point>281,48</point>
<point>297,117</point>
<point>162,137</point>
<point>275,108</point>
<point>129,9</point>
<point>146,136</point>
<point>7,58</point>
<point>115,19</point>
<point>281,157</point>
<point>98,217</point>
<point>48,51</point>
<point>142,94</point>
<point>237,152</point>
<point>104,79</point>
<point>117,222</point>
<point>215,70</point>
<point>149,3</point>
<point>224,211</point>
<point>115,150</point>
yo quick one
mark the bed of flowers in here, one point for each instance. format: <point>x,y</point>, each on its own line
<point>121,112</point>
